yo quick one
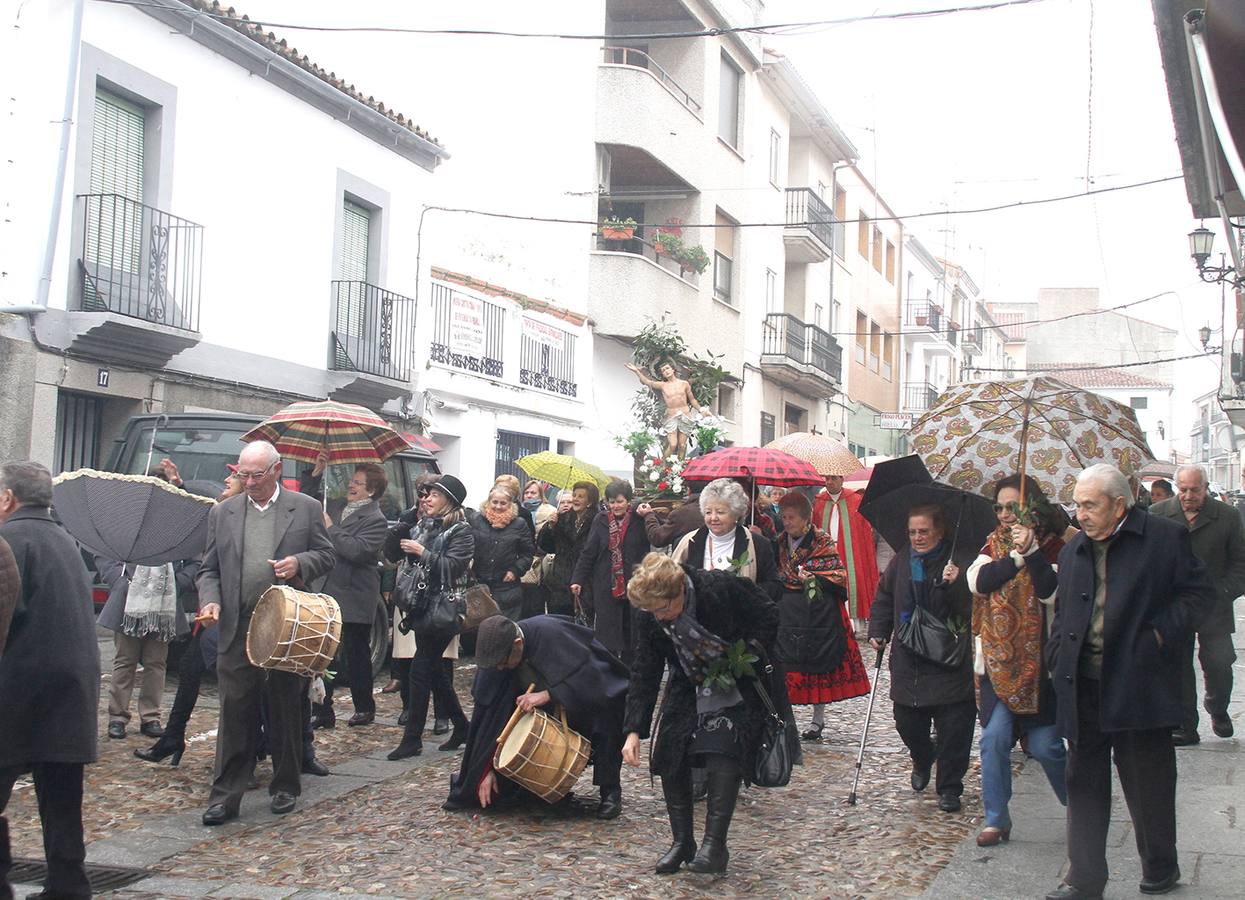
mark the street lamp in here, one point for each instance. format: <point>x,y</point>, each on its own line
<point>1201,240</point>
<point>1203,335</point>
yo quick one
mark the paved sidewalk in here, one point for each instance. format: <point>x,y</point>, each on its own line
<point>1210,798</point>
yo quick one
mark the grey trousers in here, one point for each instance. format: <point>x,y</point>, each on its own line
<point>131,652</point>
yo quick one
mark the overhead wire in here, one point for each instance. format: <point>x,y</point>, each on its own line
<point>772,28</point>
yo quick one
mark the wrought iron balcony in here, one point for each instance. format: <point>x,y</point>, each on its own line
<point>919,397</point>
<point>809,232</point>
<point>373,331</point>
<point>467,332</point>
<point>971,340</point>
<point>802,355</point>
<point>140,262</point>
<point>638,59</point>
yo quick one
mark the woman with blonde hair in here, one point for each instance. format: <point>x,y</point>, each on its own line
<point>688,620</point>
<point>504,549</point>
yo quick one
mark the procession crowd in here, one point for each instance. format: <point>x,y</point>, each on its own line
<point>698,628</point>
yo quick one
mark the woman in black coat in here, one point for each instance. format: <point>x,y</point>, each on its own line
<point>564,535</point>
<point>435,534</point>
<point>925,691</point>
<point>688,618</point>
<point>504,550</point>
<point>616,543</point>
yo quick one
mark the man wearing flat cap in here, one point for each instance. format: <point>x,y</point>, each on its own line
<point>569,668</point>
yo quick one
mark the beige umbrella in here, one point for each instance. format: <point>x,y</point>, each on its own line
<point>828,456</point>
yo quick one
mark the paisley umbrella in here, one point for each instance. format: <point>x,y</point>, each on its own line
<point>979,432</point>
<point>828,456</point>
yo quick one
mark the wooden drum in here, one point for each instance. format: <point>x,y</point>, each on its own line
<point>294,631</point>
<point>542,754</point>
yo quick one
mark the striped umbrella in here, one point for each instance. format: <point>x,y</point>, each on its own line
<point>347,433</point>
<point>828,456</point>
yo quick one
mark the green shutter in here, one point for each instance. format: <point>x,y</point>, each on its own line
<point>352,267</point>
<point>114,216</point>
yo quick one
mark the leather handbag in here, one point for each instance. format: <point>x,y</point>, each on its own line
<point>480,606</point>
<point>772,767</point>
<point>930,638</point>
<point>409,584</point>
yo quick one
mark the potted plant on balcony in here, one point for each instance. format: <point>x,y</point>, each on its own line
<point>668,244</point>
<point>692,258</point>
<point>616,229</point>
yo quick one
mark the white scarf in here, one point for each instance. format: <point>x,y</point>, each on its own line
<point>151,603</point>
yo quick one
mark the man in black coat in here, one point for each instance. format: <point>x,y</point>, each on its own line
<point>49,678</point>
<point>1130,592</point>
<point>570,668</point>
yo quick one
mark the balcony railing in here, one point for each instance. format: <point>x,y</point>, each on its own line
<point>971,339</point>
<point>140,262</point>
<point>467,332</point>
<point>640,247</point>
<point>919,396</point>
<point>786,336</point>
<point>806,210</point>
<point>547,358</point>
<point>372,330</point>
<point>638,59</point>
<point>924,314</point>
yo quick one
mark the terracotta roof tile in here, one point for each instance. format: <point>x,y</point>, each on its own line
<point>229,16</point>
<point>1079,376</point>
<point>525,302</point>
<point>1007,321</point>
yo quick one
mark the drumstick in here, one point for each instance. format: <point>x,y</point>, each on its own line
<point>514,718</point>
<point>201,619</point>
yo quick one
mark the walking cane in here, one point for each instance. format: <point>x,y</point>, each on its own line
<point>873,693</point>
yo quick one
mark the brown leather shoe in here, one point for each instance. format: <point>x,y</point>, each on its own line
<point>991,836</point>
<point>392,687</point>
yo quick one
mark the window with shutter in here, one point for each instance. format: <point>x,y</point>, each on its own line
<point>114,226</point>
<point>352,268</point>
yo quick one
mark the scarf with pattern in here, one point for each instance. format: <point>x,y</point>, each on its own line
<point>618,572</point>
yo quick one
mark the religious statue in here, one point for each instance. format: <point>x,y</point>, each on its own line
<point>683,411</point>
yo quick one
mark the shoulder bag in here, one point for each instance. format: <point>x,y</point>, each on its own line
<point>932,639</point>
<point>772,766</point>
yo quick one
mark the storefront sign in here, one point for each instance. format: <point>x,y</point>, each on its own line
<point>895,421</point>
<point>466,325</point>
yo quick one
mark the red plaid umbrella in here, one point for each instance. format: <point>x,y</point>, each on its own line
<point>349,434</point>
<point>772,467</point>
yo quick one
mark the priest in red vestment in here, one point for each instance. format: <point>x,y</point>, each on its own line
<point>837,512</point>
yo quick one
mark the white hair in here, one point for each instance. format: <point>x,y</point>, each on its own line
<point>728,491</point>
<point>1110,480</point>
<point>1201,471</point>
<point>269,451</point>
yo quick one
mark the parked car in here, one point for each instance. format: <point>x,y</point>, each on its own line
<point>202,443</point>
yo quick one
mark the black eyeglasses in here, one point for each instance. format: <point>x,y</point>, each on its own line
<point>998,507</point>
<point>423,491</point>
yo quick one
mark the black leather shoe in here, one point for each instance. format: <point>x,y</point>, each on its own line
<point>611,803</point>
<point>1222,724</point>
<point>282,803</point>
<point>1184,738</point>
<point>949,802</point>
<point>218,814</point>
<point>1162,885</point>
<point>361,718</point>
<point>313,766</point>
<point>116,730</point>
<point>405,751</point>
<point>324,720</point>
<point>920,777</point>
<point>152,729</point>
<point>1068,892</point>
<point>160,750</point>
<point>457,738</point>
<point>440,726</point>
<point>403,716</point>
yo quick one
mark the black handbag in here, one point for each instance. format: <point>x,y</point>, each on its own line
<point>772,767</point>
<point>410,582</point>
<point>930,638</point>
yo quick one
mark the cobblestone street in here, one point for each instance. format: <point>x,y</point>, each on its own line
<point>376,828</point>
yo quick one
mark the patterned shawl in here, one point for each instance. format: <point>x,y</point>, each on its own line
<point>1010,624</point>
<point>618,532</point>
<point>815,552</point>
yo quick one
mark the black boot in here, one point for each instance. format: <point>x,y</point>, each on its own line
<point>457,738</point>
<point>678,792</point>
<point>720,803</point>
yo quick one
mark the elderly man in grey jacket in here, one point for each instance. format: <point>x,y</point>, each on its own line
<point>261,537</point>
<point>1219,542</point>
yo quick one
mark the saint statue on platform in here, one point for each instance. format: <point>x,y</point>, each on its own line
<point>683,412</point>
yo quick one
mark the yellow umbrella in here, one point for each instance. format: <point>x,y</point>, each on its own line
<point>828,456</point>
<point>561,470</point>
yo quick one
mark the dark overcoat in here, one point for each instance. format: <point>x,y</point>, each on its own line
<point>502,550</point>
<point>1154,583</point>
<point>300,533</point>
<point>564,539</point>
<point>49,672</point>
<point>1219,542</point>
<point>731,607</point>
<point>592,570</point>
<point>354,580</point>
<point>767,569</point>
<point>916,681</point>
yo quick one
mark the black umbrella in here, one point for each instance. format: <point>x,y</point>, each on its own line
<point>131,518</point>
<point>900,484</point>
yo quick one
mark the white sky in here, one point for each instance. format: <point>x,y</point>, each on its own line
<point>984,108</point>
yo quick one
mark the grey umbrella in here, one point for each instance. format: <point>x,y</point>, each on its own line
<point>131,518</point>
